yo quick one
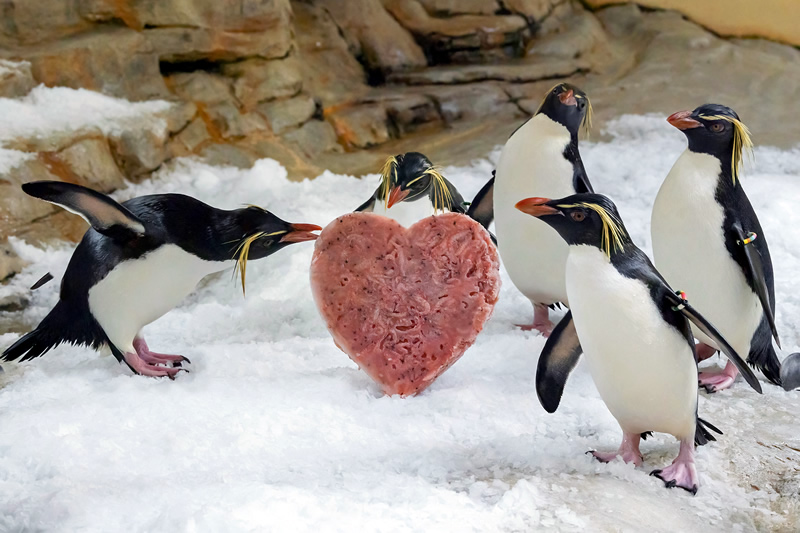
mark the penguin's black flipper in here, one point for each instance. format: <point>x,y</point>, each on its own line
<point>580,180</point>
<point>42,281</point>
<point>559,356</point>
<point>755,273</point>
<point>104,214</point>
<point>679,304</point>
<point>482,207</point>
<point>366,207</point>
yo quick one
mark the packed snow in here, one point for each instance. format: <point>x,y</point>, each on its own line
<point>276,429</point>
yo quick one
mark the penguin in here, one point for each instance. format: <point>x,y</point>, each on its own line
<point>138,260</point>
<point>708,242</point>
<point>411,189</point>
<point>634,330</point>
<point>541,158</point>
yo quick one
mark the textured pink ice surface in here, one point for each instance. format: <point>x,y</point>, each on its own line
<point>404,304</point>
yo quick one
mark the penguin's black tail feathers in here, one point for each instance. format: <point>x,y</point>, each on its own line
<point>765,359</point>
<point>702,435</point>
<point>59,326</point>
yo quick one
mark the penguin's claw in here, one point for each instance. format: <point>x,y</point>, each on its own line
<point>682,472</point>
<point>141,367</point>
<point>155,358</point>
<point>628,451</point>
<point>717,381</point>
<point>607,457</point>
<point>672,483</point>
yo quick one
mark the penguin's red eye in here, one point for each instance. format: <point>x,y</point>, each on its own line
<point>717,127</point>
<point>578,216</point>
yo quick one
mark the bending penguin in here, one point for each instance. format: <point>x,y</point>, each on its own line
<point>411,189</point>
<point>634,330</point>
<point>708,242</point>
<point>138,260</point>
<point>541,158</point>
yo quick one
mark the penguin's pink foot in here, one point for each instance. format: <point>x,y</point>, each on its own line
<point>155,358</point>
<point>541,321</point>
<point>682,472</point>
<point>140,366</point>
<point>628,450</point>
<point>704,351</point>
<point>717,381</point>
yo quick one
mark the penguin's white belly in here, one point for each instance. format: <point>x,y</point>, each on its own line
<point>532,164</point>
<point>689,251</point>
<point>139,291</point>
<point>406,213</point>
<point>643,368</point>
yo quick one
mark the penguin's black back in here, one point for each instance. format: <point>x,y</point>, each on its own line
<point>737,208</point>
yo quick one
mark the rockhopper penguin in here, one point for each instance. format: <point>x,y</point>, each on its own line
<point>634,330</point>
<point>411,189</point>
<point>541,158</point>
<point>138,260</point>
<point>707,241</point>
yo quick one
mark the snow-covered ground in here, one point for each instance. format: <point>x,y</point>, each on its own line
<point>275,429</point>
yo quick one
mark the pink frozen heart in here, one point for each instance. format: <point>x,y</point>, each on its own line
<point>404,304</point>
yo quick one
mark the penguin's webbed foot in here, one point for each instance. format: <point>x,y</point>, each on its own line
<point>147,363</point>
<point>717,381</point>
<point>627,456</point>
<point>143,368</point>
<point>541,321</point>
<point>704,351</point>
<point>682,472</point>
<point>628,451</point>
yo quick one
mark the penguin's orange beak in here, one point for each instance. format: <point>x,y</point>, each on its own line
<point>396,196</point>
<point>301,233</point>
<point>568,98</point>
<point>683,121</point>
<point>536,207</point>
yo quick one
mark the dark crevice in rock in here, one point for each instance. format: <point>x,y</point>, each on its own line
<point>176,67</point>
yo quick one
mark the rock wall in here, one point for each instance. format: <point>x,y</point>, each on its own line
<point>772,19</point>
<point>337,84</point>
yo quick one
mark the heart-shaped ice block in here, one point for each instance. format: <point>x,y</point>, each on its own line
<point>404,304</point>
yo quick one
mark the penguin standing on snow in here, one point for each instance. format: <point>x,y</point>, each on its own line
<point>708,242</point>
<point>541,158</point>
<point>411,189</point>
<point>138,261</point>
<point>634,330</point>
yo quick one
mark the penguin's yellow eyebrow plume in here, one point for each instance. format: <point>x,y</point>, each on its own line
<point>441,193</point>
<point>612,229</point>
<point>243,251</point>
<point>586,125</point>
<point>388,176</point>
<point>741,142</point>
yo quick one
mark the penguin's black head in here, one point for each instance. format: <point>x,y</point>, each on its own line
<point>583,218</point>
<point>263,234</point>
<point>409,177</point>
<point>716,130</point>
<point>569,106</point>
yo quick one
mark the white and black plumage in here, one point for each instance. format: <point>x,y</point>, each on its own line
<point>138,260</point>
<point>708,242</point>
<point>541,158</point>
<point>634,329</point>
<point>411,189</point>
